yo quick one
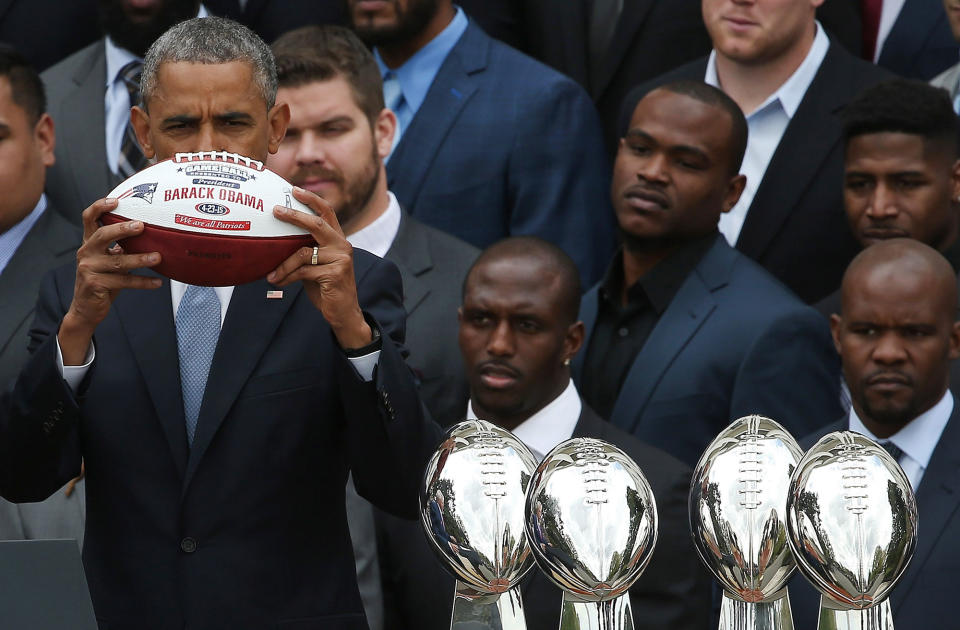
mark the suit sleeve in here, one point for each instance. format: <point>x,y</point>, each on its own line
<point>389,432</point>
<point>791,373</point>
<point>559,177</point>
<point>39,416</point>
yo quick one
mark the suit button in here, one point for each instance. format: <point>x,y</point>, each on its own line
<point>48,427</point>
<point>188,545</point>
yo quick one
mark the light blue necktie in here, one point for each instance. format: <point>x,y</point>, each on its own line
<point>198,328</point>
<point>393,99</point>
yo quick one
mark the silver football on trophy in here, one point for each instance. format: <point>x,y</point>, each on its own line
<point>591,519</point>
<point>738,500</point>
<point>852,519</point>
<point>472,503</point>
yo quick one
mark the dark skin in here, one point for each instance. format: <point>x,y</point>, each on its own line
<point>901,185</point>
<point>672,178</point>
<point>897,333</point>
<point>205,107</point>
<point>385,14</point>
<point>514,338</point>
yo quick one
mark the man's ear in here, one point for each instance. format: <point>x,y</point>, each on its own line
<point>955,341</point>
<point>45,138</point>
<point>278,118</point>
<point>836,326</point>
<point>140,120</point>
<point>573,340</point>
<point>734,190</point>
<point>384,129</point>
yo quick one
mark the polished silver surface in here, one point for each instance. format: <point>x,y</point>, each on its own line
<point>835,617</point>
<point>472,508</point>
<point>738,499</point>
<point>852,520</point>
<point>773,614</point>
<point>591,519</point>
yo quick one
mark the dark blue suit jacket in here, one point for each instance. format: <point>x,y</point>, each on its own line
<point>504,145</point>
<point>920,45</point>
<point>247,528</point>
<point>923,599</point>
<point>733,342</point>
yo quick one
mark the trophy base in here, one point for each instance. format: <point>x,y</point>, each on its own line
<point>772,615</point>
<point>473,610</point>
<point>614,614</point>
<point>833,616</point>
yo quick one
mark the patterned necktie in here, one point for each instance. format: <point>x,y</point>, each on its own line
<point>895,451</point>
<point>198,328</point>
<point>131,159</point>
<point>393,99</point>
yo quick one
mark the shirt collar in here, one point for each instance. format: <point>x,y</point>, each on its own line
<point>377,237</point>
<point>11,240</point>
<point>549,426</point>
<point>118,57</point>
<point>790,94</point>
<point>919,438</point>
<point>417,73</point>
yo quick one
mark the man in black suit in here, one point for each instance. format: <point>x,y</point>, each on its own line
<point>225,493</point>
<point>791,81</point>
<point>518,333</point>
<point>897,334</point>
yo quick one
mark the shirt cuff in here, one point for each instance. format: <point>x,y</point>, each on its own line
<point>365,365</point>
<point>73,374</point>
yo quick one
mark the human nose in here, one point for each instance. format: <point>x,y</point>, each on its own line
<point>653,169</point>
<point>501,341</point>
<point>309,149</point>
<point>889,349</point>
<point>882,203</point>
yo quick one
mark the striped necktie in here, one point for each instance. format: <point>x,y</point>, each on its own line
<point>131,159</point>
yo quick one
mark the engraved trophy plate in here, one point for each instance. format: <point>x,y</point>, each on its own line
<point>738,501</point>
<point>852,520</point>
<point>591,519</point>
<point>472,509</point>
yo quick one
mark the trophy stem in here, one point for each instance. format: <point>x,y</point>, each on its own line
<point>613,614</point>
<point>772,615</point>
<point>835,617</point>
<point>482,611</point>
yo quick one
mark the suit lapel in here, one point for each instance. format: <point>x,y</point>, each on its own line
<point>806,143</point>
<point>411,251</point>
<point>631,18</point>
<point>588,315</point>
<point>247,331</point>
<point>914,26</point>
<point>451,89</point>
<point>688,310</point>
<point>82,111</point>
<point>155,350</point>
<point>938,498</point>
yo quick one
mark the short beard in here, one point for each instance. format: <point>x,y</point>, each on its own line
<point>137,37</point>
<point>358,195</point>
<point>410,23</point>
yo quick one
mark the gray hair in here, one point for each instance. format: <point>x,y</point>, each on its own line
<point>211,40</point>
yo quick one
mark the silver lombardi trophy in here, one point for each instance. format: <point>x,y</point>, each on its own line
<point>471,507</point>
<point>591,520</point>
<point>852,519</point>
<point>738,501</point>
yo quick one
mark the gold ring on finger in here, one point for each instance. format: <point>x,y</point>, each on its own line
<point>314,259</point>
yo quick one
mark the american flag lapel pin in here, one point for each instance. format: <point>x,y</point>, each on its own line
<point>274,295</point>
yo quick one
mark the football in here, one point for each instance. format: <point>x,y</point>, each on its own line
<point>210,216</point>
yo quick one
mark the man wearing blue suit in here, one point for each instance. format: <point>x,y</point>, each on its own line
<point>218,425</point>
<point>897,334</point>
<point>686,334</point>
<point>490,142</point>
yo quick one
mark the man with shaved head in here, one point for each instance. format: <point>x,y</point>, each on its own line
<point>518,332</point>
<point>897,333</point>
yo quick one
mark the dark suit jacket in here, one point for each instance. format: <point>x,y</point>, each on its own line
<point>921,600</point>
<point>504,145</point>
<point>796,226</point>
<point>673,592</point>
<point>651,37</point>
<point>500,19</point>
<point>50,243</point>
<point>246,528</point>
<point>921,44</point>
<point>272,18</point>
<point>75,91</point>
<point>46,31</point>
<point>732,342</point>
<point>433,266</point>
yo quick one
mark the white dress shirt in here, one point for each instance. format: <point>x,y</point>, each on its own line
<point>549,426</point>
<point>888,17</point>
<point>917,440</point>
<point>377,237</point>
<point>767,125</point>
<point>11,240</point>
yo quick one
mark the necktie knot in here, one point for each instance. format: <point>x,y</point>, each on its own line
<point>130,75</point>
<point>895,451</point>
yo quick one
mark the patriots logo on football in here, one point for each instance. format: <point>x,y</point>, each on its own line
<point>144,191</point>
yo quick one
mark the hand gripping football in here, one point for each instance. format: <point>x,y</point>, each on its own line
<point>210,215</point>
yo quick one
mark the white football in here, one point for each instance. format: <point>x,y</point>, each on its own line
<point>210,216</point>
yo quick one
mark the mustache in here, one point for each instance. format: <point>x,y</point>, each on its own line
<point>888,376</point>
<point>305,173</point>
